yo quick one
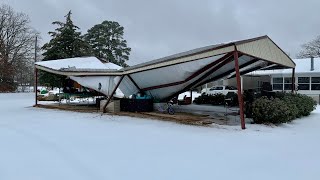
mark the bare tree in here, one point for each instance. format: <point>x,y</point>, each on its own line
<point>16,46</point>
<point>310,49</point>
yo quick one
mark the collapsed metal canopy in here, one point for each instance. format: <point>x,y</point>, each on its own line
<point>169,76</point>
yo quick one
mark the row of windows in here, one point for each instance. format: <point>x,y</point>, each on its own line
<point>304,83</point>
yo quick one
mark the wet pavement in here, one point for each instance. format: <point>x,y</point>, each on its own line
<point>219,114</point>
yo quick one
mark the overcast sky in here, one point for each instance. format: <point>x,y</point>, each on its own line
<point>155,29</point>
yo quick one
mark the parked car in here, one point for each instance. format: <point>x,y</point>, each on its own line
<point>219,89</point>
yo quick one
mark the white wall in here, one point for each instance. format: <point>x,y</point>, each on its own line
<point>248,82</point>
<point>315,94</point>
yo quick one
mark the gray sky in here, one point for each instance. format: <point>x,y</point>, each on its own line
<point>155,29</point>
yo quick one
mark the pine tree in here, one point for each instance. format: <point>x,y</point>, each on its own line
<point>66,42</point>
<point>106,40</point>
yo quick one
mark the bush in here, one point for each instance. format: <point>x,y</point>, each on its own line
<point>248,97</point>
<point>216,99</point>
<point>304,104</point>
<point>283,108</point>
<point>270,111</point>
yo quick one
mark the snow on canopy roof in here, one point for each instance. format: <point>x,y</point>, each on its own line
<point>78,63</point>
<point>302,66</point>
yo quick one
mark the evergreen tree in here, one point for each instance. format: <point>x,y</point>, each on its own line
<point>66,42</point>
<point>106,40</point>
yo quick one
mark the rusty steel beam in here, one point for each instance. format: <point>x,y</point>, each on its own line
<point>134,82</point>
<point>36,86</point>
<point>240,98</point>
<point>111,95</point>
<point>227,72</point>
<point>197,73</point>
<point>247,71</point>
<point>223,63</point>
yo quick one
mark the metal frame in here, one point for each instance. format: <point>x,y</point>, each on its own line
<point>36,86</point>
<point>134,82</point>
<point>293,87</point>
<point>111,95</point>
<point>240,98</point>
<point>197,73</point>
<point>35,72</point>
<point>226,73</point>
<point>218,66</point>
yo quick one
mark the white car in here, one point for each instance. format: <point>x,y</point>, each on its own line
<point>219,89</point>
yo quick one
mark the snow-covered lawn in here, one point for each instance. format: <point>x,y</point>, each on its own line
<point>49,144</point>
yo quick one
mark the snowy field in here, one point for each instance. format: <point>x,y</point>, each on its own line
<point>43,144</point>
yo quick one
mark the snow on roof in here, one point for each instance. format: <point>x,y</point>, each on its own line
<point>78,63</point>
<point>302,66</point>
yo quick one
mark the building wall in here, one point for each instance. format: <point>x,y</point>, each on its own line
<point>254,82</point>
<point>314,93</point>
<point>248,82</point>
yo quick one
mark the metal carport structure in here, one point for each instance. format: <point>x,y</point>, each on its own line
<point>167,77</point>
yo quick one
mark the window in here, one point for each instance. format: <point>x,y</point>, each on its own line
<point>287,83</point>
<point>287,80</point>
<point>303,83</point>
<point>277,83</point>
<point>277,86</point>
<point>278,80</point>
<point>315,83</point>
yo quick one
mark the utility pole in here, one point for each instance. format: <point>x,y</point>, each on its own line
<point>35,72</point>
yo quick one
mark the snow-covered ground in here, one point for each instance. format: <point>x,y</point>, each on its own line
<point>50,144</point>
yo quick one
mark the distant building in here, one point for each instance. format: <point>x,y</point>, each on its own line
<point>307,78</point>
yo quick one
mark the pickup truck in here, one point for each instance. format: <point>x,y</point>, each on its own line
<point>219,89</point>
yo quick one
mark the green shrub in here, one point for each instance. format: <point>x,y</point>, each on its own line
<point>216,99</point>
<point>248,97</point>
<point>304,104</point>
<point>283,108</point>
<point>266,110</point>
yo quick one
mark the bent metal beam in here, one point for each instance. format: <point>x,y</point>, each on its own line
<point>111,95</point>
<point>205,68</point>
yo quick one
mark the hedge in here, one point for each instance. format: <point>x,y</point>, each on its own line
<point>284,107</point>
<point>216,99</point>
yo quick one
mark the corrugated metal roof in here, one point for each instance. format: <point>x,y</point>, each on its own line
<point>261,47</point>
<point>174,56</point>
<point>193,51</point>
